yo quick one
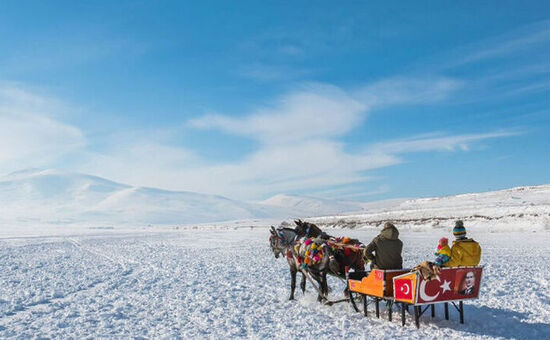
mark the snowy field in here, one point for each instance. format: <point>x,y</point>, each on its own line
<point>225,283</point>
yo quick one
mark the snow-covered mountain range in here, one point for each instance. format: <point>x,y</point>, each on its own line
<point>55,197</point>
<point>519,209</point>
<point>52,197</point>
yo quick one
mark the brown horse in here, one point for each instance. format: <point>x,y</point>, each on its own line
<point>347,254</point>
<point>333,256</point>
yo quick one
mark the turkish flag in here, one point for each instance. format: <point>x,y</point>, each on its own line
<point>403,289</point>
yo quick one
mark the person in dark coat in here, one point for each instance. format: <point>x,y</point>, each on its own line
<point>384,251</point>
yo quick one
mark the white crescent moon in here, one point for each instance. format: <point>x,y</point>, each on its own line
<point>408,289</point>
<point>423,294</point>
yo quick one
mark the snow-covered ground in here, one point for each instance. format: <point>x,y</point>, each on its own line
<point>85,257</point>
<point>225,283</point>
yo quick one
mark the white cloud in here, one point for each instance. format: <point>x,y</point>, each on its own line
<point>298,137</point>
<point>298,140</point>
<point>527,38</point>
<point>30,135</point>
<point>302,166</point>
<point>273,169</point>
<point>320,111</point>
<point>325,111</point>
<point>397,91</point>
<point>437,143</point>
<point>140,157</point>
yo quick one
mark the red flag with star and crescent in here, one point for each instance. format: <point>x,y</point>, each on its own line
<point>452,284</point>
<point>404,287</point>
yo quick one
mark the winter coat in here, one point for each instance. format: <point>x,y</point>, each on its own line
<point>443,255</point>
<point>465,252</point>
<point>384,251</point>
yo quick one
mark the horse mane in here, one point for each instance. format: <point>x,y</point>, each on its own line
<point>288,234</point>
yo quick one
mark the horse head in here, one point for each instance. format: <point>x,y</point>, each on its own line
<point>274,242</point>
<point>307,229</point>
<point>281,239</point>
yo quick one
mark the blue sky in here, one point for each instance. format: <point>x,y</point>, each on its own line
<point>353,100</point>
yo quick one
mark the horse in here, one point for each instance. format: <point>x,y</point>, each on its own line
<point>336,261</point>
<point>334,256</point>
<point>346,255</point>
<point>282,241</point>
<point>314,258</point>
<point>308,229</point>
<point>350,258</point>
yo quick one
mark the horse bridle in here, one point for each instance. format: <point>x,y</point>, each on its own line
<point>280,241</point>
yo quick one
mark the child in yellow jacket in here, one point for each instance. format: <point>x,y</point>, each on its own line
<point>443,252</point>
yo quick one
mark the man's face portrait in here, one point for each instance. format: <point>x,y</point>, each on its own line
<point>470,279</point>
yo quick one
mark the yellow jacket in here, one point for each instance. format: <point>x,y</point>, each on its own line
<point>444,251</point>
<point>464,253</point>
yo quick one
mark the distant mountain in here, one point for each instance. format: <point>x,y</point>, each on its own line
<point>35,197</point>
<point>520,209</point>
<point>312,206</point>
<point>57,197</point>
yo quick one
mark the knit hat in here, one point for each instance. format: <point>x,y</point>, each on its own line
<point>459,231</point>
<point>442,243</point>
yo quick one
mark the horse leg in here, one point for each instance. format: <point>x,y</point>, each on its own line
<point>319,279</point>
<point>292,282</point>
<point>324,284</point>
<point>303,283</point>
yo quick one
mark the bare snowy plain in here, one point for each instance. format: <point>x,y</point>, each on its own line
<point>225,283</point>
<point>113,281</point>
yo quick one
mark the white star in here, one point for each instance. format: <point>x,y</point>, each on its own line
<point>446,286</point>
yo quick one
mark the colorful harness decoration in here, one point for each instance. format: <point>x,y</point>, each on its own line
<point>311,251</point>
<point>347,244</point>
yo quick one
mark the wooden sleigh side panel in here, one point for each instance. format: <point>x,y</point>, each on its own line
<point>377,282</point>
<point>454,284</point>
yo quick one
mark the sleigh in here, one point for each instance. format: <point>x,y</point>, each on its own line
<point>453,286</point>
<point>372,287</point>
<point>405,288</point>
